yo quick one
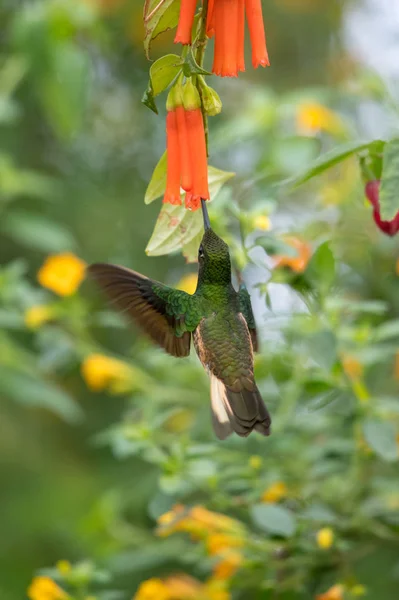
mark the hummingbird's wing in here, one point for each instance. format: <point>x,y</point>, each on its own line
<point>158,309</point>
<point>246,309</point>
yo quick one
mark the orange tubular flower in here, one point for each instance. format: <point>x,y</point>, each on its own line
<point>186,19</point>
<point>226,21</point>
<point>187,164</point>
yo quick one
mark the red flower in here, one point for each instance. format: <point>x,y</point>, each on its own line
<point>187,165</point>
<point>372,193</point>
<point>226,21</point>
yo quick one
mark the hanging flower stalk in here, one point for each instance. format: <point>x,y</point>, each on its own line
<point>187,164</point>
<point>226,22</point>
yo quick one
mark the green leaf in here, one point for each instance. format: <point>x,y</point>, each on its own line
<point>157,184</point>
<point>175,227</point>
<point>159,16</point>
<point>381,437</point>
<point>322,347</point>
<point>333,157</point>
<point>163,71</point>
<point>37,232</point>
<point>389,192</point>
<point>321,268</point>
<point>39,394</point>
<point>148,99</point>
<point>274,519</point>
<point>156,188</point>
<point>64,90</point>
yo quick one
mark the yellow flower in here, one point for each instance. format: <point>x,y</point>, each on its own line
<point>62,273</point>
<point>215,589</point>
<point>325,538</point>
<point>105,373</point>
<point>358,590</point>
<point>275,492</point>
<point>296,263</point>
<point>262,222</point>
<point>312,117</point>
<point>64,567</point>
<point>188,283</point>
<point>255,462</point>
<point>183,587</point>
<point>352,367</point>
<point>336,592</point>
<point>152,589</point>
<point>228,566</point>
<point>198,521</point>
<point>44,588</point>
<point>219,543</point>
<point>35,316</point>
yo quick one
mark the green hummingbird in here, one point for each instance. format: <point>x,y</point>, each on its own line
<point>220,320</point>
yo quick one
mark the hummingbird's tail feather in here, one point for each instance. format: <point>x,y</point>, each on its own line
<point>241,412</point>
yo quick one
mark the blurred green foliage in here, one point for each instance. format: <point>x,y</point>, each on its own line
<point>86,472</point>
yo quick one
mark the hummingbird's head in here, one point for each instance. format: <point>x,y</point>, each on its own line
<point>213,255</point>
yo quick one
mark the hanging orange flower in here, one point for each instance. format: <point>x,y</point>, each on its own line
<point>187,164</point>
<point>226,21</point>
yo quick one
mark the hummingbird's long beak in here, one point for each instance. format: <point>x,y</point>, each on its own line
<point>207,223</point>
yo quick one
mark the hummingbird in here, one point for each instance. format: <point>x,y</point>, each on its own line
<point>218,318</point>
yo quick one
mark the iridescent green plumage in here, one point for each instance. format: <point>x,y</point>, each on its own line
<point>219,319</point>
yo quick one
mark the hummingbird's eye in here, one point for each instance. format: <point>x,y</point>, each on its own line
<point>201,252</point>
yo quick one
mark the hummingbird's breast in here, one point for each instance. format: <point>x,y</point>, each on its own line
<point>224,347</point>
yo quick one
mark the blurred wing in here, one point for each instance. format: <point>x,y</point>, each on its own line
<point>156,308</point>
<point>246,309</point>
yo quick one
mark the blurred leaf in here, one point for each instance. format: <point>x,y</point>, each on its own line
<point>36,231</point>
<point>190,250</point>
<point>387,330</point>
<point>64,88</point>
<point>319,512</point>
<point>322,347</point>
<point>157,184</point>
<point>159,16</point>
<point>175,227</point>
<point>38,394</point>
<point>381,437</point>
<point>274,519</point>
<point>335,156</point>
<point>321,268</point>
<point>15,181</point>
<point>389,192</point>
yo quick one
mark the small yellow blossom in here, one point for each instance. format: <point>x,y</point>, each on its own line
<point>255,462</point>
<point>358,590</point>
<point>183,587</point>
<point>262,222</point>
<point>312,117</point>
<point>296,263</point>
<point>44,588</point>
<point>218,543</point>
<point>198,521</point>
<point>188,283</point>
<point>62,273</point>
<point>325,538</point>
<point>179,421</point>
<point>228,566</point>
<point>36,316</point>
<point>352,367</point>
<point>215,589</point>
<point>275,492</point>
<point>103,372</point>
<point>336,592</point>
<point>64,567</point>
<point>152,589</point>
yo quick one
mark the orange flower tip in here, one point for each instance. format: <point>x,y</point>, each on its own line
<point>260,62</point>
<point>184,40</point>
<point>172,199</point>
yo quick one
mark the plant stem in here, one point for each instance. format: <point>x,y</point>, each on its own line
<point>201,43</point>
